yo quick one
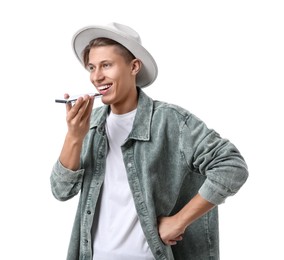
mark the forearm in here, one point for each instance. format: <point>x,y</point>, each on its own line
<point>70,153</point>
<point>193,210</point>
<point>171,229</point>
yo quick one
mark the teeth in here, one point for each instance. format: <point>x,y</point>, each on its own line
<point>104,87</point>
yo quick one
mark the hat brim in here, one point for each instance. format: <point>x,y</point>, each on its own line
<point>149,70</point>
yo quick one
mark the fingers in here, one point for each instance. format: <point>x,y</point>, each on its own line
<point>172,242</point>
<point>89,108</point>
<point>169,230</point>
<point>82,107</point>
<point>78,115</point>
<point>66,96</point>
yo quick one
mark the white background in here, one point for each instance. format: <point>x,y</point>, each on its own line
<point>222,60</point>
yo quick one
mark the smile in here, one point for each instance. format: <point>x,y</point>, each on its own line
<point>103,89</point>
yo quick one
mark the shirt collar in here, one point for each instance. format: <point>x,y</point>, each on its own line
<point>142,122</point>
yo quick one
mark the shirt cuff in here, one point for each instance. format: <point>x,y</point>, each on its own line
<point>66,174</point>
<point>212,193</point>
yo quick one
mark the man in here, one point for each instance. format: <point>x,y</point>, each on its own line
<point>150,174</point>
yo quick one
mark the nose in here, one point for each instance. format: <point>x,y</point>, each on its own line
<point>97,76</point>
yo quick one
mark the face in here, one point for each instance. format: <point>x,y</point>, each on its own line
<point>114,78</point>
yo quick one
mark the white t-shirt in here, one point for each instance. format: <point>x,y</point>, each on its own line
<point>117,231</point>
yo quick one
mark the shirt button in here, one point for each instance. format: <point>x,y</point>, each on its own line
<point>89,212</point>
<point>129,165</point>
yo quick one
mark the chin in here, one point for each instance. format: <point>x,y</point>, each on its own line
<point>106,100</point>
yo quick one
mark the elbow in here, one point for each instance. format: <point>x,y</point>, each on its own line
<point>240,178</point>
<point>61,196</point>
<point>62,191</point>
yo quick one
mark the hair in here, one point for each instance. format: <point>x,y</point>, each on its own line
<point>98,42</point>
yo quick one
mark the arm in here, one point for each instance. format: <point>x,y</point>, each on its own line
<point>172,228</point>
<point>205,153</point>
<point>78,122</point>
<point>66,176</point>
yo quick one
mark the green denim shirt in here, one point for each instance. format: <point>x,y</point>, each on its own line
<point>170,155</point>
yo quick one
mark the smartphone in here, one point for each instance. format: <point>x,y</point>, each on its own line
<point>72,99</point>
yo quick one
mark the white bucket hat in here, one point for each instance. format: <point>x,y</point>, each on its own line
<point>125,36</point>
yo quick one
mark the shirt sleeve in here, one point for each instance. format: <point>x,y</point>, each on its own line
<point>65,183</point>
<point>216,158</point>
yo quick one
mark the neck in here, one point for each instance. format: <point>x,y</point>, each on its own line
<point>125,106</point>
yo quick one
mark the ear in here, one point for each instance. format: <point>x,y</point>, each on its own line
<point>136,66</point>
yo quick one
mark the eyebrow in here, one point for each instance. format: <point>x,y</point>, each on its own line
<point>103,61</point>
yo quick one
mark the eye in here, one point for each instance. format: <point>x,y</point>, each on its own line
<point>106,65</point>
<point>90,67</point>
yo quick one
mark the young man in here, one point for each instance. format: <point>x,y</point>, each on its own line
<point>150,174</point>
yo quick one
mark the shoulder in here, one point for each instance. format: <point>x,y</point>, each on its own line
<point>177,115</point>
<point>168,109</point>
